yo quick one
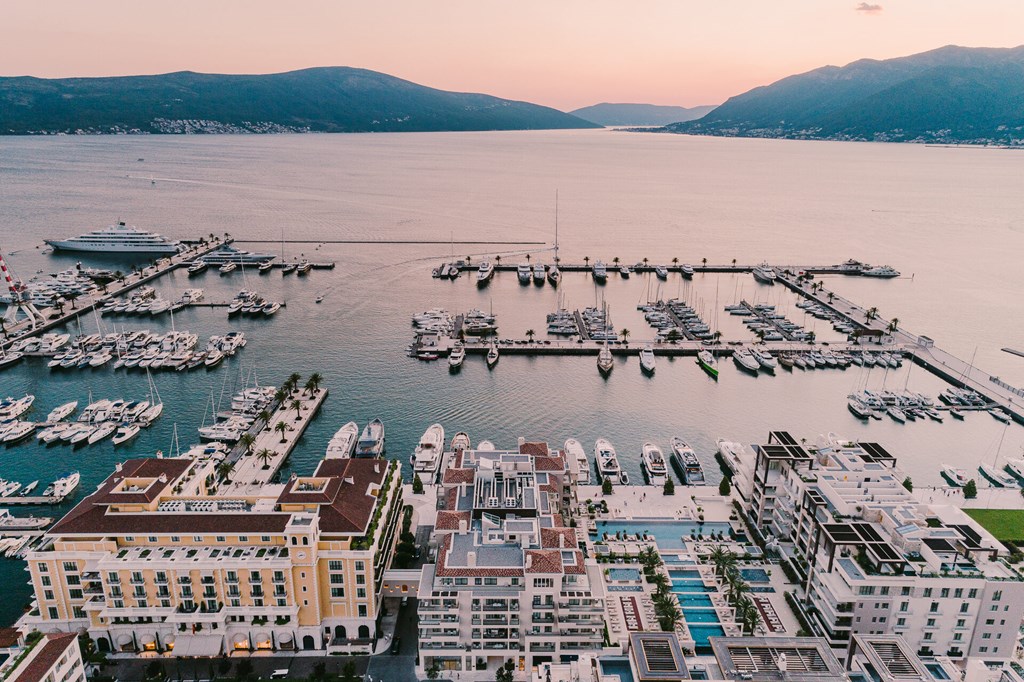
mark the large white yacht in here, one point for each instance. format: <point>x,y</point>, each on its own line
<point>654,463</point>
<point>371,442</point>
<point>484,273</point>
<point>524,272</point>
<point>343,442</point>
<point>607,461</point>
<point>765,273</point>
<point>427,457</point>
<point>119,238</point>
<point>578,461</point>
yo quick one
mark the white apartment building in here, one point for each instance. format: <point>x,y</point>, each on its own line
<point>874,560</point>
<point>510,580</point>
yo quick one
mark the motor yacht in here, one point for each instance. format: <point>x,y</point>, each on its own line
<point>118,238</point>
<point>61,412</point>
<point>265,267</point>
<point>625,272</point>
<point>999,478</point>
<point>606,459</point>
<point>578,462</point>
<point>426,459</point>
<point>956,477</point>
<point>661,272</point>
<point>707,363</point>
<point>197,267</point>
<point>686,461</point>
<point>227,267</point>
<point>765,359</point>
<point>765,274</point>
<point>605,361</point>
<point>600,272</point>
<point>687,270</point>
<point>460,441</point>
<point>456,357</point>
<point>880,271</point>
<point>647,360</point>
<point>64,485</point>
<point>484,274</point>
<point>19,431</point>
<point>102,431</point>
<point>371,442</point>
<point>125,433</point>
<point>654,463</point>
<point>539,273</point>
<point>1016,467</point>
<point>746,360</point>
<point>524,272</point>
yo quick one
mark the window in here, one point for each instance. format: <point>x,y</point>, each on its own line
<point>885,590</point>
<point>43,568</point>
<point>462,581</point>
<point>944,593</point>
<point>175,538</point>
<point>264,538</point>
<point>197,538</point>
<point>983,649</point>
<point>79,612</point>
<point>990,621</point>
<point>927,592</point>
<point>543,582</point>
<point>337,592</point>
<point>866,590</point>
<point>337,579</point>
<point>905,591</point>
<point>901,621</point>
<point>48,595</point>
<point>361,593</point>
<point>930,623</point>
<point>360,565</point>
<point>934,608</point>
<point>152,538</point>
<point>45,580</point>
<point>972,594</point>
<point>52,611</point>
<point>362,610</point>
<point>334,565</point>
<point>960,622</point>
<point>129,538</point>
<point>70,566</point>
<point>986,635</point>
<point>927,636</point>
<point>221,538</point>
<point>964,607</point>
<point>958,593</point>
<point>243,538</point>
<point>904,606</point>
<point>478,581</point>
<point>490,581</point>
<point>997,595</point>
<point>75,594</point>
<point>360,579</point>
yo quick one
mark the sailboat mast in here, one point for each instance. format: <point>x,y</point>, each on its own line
<point>556,227</point>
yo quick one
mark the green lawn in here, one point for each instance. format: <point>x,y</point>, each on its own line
<point>1005,524</point>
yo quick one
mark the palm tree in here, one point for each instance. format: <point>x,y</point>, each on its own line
<point>723,559</point>
<point>527,258</point>
<point>625,335</point>
<point>616,261</point>
<point>283,429</point>
<point>894,324</point>
<point>736,588</point>
<point>675,261</point>
<point>645,262</point>
<point>265,456</point>
<point>280,394</point>
<point>734,262</point>
<point>650,558</point>
<point>748,617</point>
<point>224,470</point>
<point>294,379</point>
<point>586,260</point>
<point>497,259</point>
<point>247,441</point>
<point>264,416</point>
<point>530,334</point>
<point>310,385</point>
<point>469,260</point>
<point>668,613</point>
<point>316,378</point>
<point>704,261</point>
<point>297,406</point>
<point>716,336</point>
<point>831,295</point>
<point>871,313</point>
<point>662,585</point>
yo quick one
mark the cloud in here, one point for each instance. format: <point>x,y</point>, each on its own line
<point>868,8</point>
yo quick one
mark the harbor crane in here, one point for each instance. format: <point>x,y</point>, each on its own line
<point>20,299</point>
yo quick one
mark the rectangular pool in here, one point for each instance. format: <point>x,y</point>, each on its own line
<point>701,633</point>
<point>625,588</point>
<point>700,615</point>
<point>666,534</point>
<point>691,586</point>
<point>693,599</point>
<point>626,574</point>
<point>755,575</point>
<point>684,574</point>
<point>616,666</point>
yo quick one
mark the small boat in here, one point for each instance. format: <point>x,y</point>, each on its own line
<point>539,272</point>
<point>461,441</point>
<point>765,274</point>
<point>999,478</point>
<point>956,414</point>
<point>605,361</point>
<point>197,267</point>
<point>661,272</point>
<point>578,462</point>
<point>686,460</point>
<point>932,414</point>
<point>227,268</point>
<point>600,272</point>
<point>456,357</point>
<point>102,431</point>
<point>707,363</point>
<point>426,459</point>
<point>623,477</point>
<point>897,414</point>
<point>653,462</point>
<point>289,269</point>
<point>270,308</point>
<point>484,274</point>
<point>999,415</point>
<point>647,360</point>
<point>265,267</point>
<point>554,275</point>
<point>625,272</point>
<point>61,412</point>
<point>746,360</point>
<point>371,442</point>
<point>492,356</point>
<point>342,445</point>
<point>524,272</point>
<point>320,298</point>
<point>955,476</point>
<point>125,434</point>
<point>687,270</point>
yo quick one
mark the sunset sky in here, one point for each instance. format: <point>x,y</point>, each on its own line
<point>562,53</point>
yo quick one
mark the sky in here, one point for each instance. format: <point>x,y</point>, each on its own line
<point>561,53</point>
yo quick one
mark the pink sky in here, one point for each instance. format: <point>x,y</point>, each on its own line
<point>562,53</point>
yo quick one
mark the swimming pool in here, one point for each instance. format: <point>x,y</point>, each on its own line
<point>700,634</point>
<point>616,666</point>
<point>693,599</point>
<point>677,560</point>
<point>700,616</point>
<point>625,588</point>
<point>629,574</point>
<point>691,586</point>
<point>684,574</point>
<point>755,575</point>
<point>666,534</point>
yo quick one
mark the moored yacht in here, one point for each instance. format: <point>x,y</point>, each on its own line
<point>456,357</point>
<point>997,477</point>
<point>460,441</point>
<point>654,463</point>
<point>197,267</point>
<point>746,360</point>
<point>606,460</point>
<point>484,273</point>
<point>524,272</point>
<point>227,267</point>
<point>880,271</point>
<point>61,412</point>
<point>1016,467</point>
<point>686,460</point>
<point>539,272</point>
<point>955,476</point>
<point>600,272</point>
<point>661,272</point>
<point>371,442</point>
<point>647,361</point>
<point>687,270</point>
<point>707,363</point>
<point>343,443</point>
<point>428,454</point>
<point>765,359</point>
<point>119,238</point>
<point>554,275</point>
<point>578,462</point>
<point>605,361</point>
<point>492,356</point>
<point>765,273</point>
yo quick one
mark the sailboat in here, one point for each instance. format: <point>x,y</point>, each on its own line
<point>492,356</point>
<point>605,361</point>
<point>554,274</point>
<point>996,475</point>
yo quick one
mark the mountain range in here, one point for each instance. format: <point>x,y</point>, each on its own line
<point>614,114</point>
<point>326,99</point>
<point>951,95</point>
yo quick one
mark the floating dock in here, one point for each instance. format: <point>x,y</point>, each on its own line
<point>29,500</point>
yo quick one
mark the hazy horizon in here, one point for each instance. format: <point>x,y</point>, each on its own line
<point>566,55</point>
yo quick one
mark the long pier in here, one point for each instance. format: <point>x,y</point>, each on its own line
<point>252,472</point>
<point>642,268</point>
<point>132,280</point>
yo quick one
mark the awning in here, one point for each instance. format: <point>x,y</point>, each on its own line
<point>169,639</point>
<point>124,640</point>
<point>241,638</point>
<point>198,645</point>
<point>262,638</point>
<point>147,639</point>
<point>284,637</point>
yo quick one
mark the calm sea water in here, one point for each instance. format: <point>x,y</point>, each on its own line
<point>949,219</point>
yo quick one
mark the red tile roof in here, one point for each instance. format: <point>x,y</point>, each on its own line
<point>536,449</point>
<point>53,647</point>
<point>543,561</point>
<point>449,520</point>
<point>352,507</point>
<point>548,464</point>
<point>457,476</point>
<point>558,538</point>
<point>148,467</point>
<point>469,571</point>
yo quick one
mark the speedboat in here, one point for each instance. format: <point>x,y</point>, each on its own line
<point>686,460</point>
<point>999,415</point>
<point>266,266</point>
<point>461,441</point>
<point>765,273</point>
<point>707,363</point>
<point>539,272</point>
<point>661,272</point>
<point>746,360</point>
<point>605,361</point>
<point>427,457</point>
<point>607,461</point>
<point>19,432</point>
<point>197,267</point>
<point>600,272</point>
<point>456,357</point>
<point>955,476</point>
<point>999,478</point>
<point>102,431</point>
<point>61,412</point>
<point>65,485</point>
<point>1015,467</point>
<point>625,272</point>
<point>227,267</point>
<point>492,356</point>
<point>125,434</point>
<point>484,274</point>
<point>371,442</point>
<point>271,308</point>
<point>654,463</point>
<point>647,360</point>
<point>687,270</point>
<point>897,414</point>
<point>524,272</point>
<point>554,275</point>
<point>623,477</point>
<point>578,461</point>
<point>765,359</point>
